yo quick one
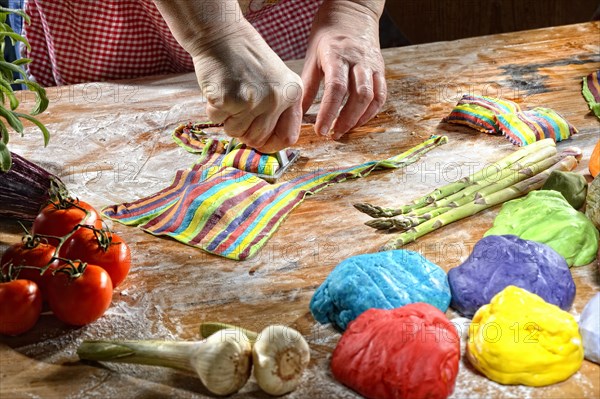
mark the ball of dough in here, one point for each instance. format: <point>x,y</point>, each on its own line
<point>383,280</point>
<point>499,261</point>
<point>545,216</point>
<point>572,186</point>
<point>592,206</point>
<point>408,352</point>
<point>520,339</point>
<point>589,327</point>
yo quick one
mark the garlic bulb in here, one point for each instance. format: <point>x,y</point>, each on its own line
<point>280,356</point>
<point>223,363</point>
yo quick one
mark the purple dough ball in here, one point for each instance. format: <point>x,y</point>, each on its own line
<point>500,261</point>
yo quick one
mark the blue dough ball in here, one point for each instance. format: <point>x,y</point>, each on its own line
<point>384,280</point>
<point>500,261</point>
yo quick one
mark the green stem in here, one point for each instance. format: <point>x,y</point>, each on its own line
<point>479,204</point>
<point>176,355</point>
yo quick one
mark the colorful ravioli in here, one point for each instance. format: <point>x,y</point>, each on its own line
<point>194,139</point>
<point>497,116</point>
<point>479,112</point>
<point>523,128</point>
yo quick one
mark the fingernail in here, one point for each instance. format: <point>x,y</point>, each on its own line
<point>324,131</point>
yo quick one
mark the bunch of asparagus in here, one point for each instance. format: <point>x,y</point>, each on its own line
<point>513,176</point>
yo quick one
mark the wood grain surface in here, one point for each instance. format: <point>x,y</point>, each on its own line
<point>111,143</point>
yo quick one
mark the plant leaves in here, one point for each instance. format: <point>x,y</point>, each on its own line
<point>11,118</point>
<point>12,67</point>
<point>8,71</point>
<point>39,124</point>
<point>6,89</point>
<point>16,11</point>
<point>5,160</point>
<point>21,61</point>
<point>41,100</point>
<point>15,37</point>
<point>4,133</point>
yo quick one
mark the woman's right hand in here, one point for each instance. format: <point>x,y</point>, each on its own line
<point>249,89</point>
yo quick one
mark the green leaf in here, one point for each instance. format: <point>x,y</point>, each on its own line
<point>21,61</point>
<point>15,37</point>
<point>41,100</point>
<point>7,89</point>
<point>12,119</point>
<point>12,68</point>
<point>4,132</point>
<point>16,11</point>
<point>5,160</point>
<point>39,124</point>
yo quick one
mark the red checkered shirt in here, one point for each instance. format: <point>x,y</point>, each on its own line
<point>74,41</point>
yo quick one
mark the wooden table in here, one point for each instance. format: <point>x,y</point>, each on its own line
<point>111,143</point>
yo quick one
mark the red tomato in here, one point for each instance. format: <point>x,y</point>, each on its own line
<point>37,255</point>
<point>83,299</point>
<point>104,249</point>
<point>20,306</point>
<point>57,221</point>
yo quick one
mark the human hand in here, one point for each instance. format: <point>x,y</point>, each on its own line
<point>249,89</point>
<point>344,51</point>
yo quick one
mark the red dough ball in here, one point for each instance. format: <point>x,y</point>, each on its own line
<point>408,352</point>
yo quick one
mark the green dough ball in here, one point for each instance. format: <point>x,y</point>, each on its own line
<point>572,186</point>
<point>592,207</point>
<point>545,216</point>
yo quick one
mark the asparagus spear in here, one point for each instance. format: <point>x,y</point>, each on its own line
<point>480,203</point>
<point>449,189</point>
<point>508,178</point>
<point>538,161</point>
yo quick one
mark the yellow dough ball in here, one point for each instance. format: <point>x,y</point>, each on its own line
<point>518,338</point>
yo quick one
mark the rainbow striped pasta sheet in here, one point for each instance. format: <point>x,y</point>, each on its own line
<point>231,212</point>
<point>498,116</point>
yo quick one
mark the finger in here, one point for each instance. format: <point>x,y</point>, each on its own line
<point>286,131</point>
<point>216,115</point>
<point>237,125</point>
<point>260,130</point>
<point>380,92</point>
<point>360,96</point>
<point>311,77</point>
<point>335,90</point>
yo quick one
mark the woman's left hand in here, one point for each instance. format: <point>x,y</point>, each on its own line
<point>344,52</point>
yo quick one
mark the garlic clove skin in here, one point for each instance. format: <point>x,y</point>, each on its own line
<point>280,356</point>
<point>223,361</point>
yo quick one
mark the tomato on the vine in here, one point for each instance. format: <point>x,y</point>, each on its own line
<point>32,254</point>
<point>101,248</point>
<point>20,306</point>
<point>59,219</point>
<point>81,294</point>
